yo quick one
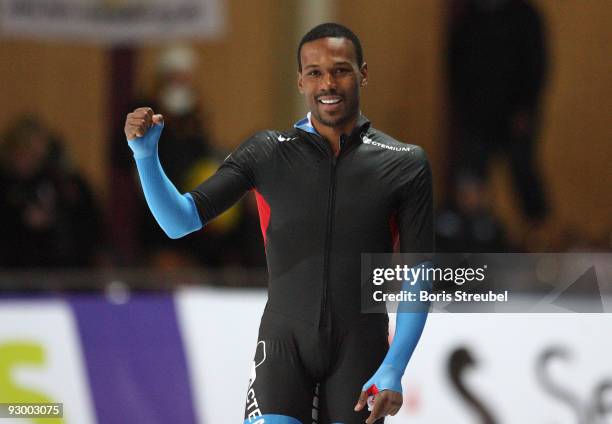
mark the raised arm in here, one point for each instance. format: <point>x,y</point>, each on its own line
<point>175,213</point>
<point>180,214</point>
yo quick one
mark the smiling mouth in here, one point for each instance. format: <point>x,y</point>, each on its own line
<point>329,100</point>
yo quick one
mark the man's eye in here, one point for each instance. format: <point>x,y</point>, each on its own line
<point>342,71</point>
<point>313,73</point>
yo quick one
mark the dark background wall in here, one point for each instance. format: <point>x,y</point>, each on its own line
<point>248,80</point>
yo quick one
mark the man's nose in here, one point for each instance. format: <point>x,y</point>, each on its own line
<point>329,81</point>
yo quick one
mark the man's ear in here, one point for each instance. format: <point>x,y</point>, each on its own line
<point>299,82</point>
<point>364,75</point>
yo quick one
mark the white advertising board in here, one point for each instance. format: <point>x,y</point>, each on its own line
<point>41,359</point>
<point>511,368</point>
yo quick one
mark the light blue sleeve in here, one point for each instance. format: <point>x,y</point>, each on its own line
<point>175,213</point>
<point>409,324</point>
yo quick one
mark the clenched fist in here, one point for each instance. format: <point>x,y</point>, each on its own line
<point>143,129</point>
<point>138,122</point>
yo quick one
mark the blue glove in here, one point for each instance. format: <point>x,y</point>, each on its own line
<point>385,378</point>
<point>146,145</point>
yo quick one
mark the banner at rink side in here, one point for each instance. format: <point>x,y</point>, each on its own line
<point>105,360</point>
<point>510,368</point>
<point>112,21</point>
<point>507,367</point>
<point>134,358</point>
<point>161,357</point>
<point>41,360</point>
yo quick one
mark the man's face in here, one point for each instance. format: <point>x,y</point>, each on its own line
<point>330,80</point>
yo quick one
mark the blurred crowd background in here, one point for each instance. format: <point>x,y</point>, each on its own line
<point>511,99</point>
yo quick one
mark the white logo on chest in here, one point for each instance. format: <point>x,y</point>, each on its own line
<point>368,140</point>
<point>281,138</point>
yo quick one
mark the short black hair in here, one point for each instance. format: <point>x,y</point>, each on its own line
<point>331,29</point>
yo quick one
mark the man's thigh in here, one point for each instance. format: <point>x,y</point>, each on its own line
<point>280,391</point>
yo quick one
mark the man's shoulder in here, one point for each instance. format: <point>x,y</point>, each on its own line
<point>382,141</point>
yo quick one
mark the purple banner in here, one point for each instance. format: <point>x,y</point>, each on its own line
<point>135,359</point>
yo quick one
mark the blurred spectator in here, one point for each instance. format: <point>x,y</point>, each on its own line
<point>467,223</point>
<point>48,215</point>
<point>176,96</point>
<point>189,159</point>
<point>497,67</point>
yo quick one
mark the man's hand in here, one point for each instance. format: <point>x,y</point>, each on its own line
<point>386,387</point>
<point>138,122</point>
<point>143,129</point>
<point>386,402</point>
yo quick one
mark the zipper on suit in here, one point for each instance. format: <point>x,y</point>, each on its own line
<point>328,235</point>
